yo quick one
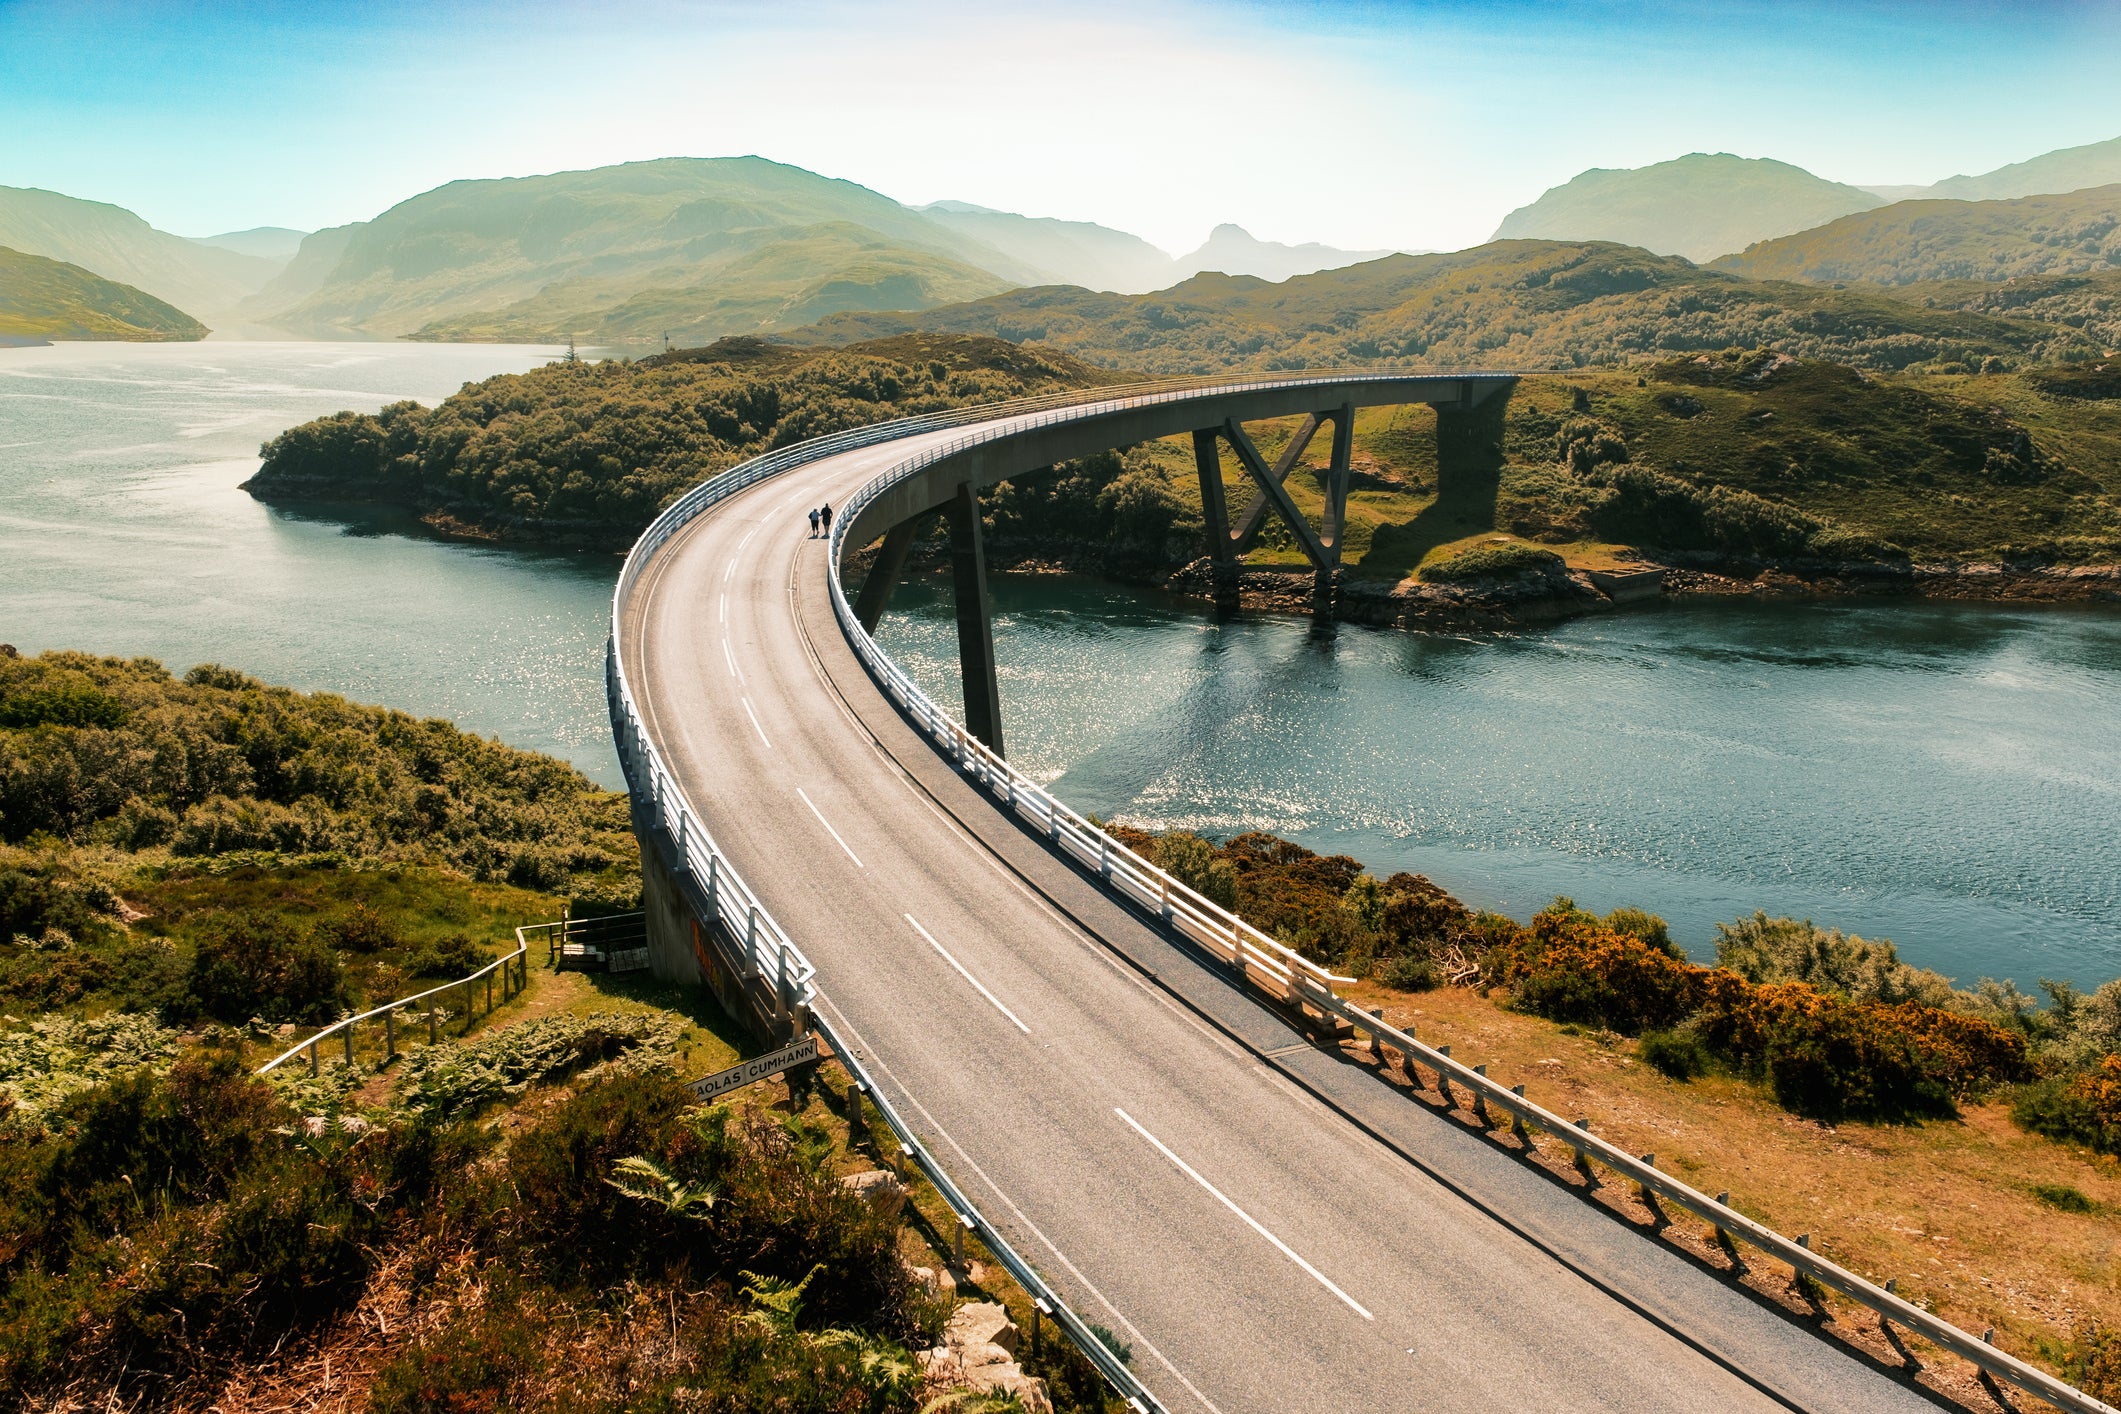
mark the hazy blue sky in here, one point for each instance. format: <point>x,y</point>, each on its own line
<point>1358,124</point>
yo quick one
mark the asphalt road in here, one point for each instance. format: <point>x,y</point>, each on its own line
<point>1269,1227</point>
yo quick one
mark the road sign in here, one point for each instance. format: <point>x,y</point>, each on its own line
<point>759,1068</point>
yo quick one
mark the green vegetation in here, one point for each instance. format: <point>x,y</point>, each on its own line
<point>589,453</point>
<point>1492,562</point>
<point>1522,304</point>
<point>211,847</point>
<point>697,248</point>
<point>49,299</point>
<point>530,1214</point>
<point>1833,1026</point>
<point>2075,233</point>
<point>1700,206</point>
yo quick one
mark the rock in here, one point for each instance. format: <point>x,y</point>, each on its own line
<point>935,1283</point>
<point>879,1188</point>
<point>981,1323</point>
<point>979,1353</point>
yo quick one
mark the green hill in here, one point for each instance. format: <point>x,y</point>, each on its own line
<point>117,245</point>
<point>1509,305</point>
<point>697,247</point>
<point>49,299</point>
<point>2096,164</point>
<point>1064,252</point>
<point>1700,206</point>
<point>2073,233</point>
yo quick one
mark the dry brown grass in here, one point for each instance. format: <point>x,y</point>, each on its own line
<point>1948,1207</point>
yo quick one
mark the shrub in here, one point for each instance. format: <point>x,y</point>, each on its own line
<point>1645,926</point>
<point>359,930</point>
<point>1764,949</point>
<point>1409,973</point>
<point>2093,1360</point>
<point>253,964</point>
<point>1493,562</point>
<point>2064,1197</point>
<point>1197,864</point>
<point>1679,1055</point>
<point>453,956</point>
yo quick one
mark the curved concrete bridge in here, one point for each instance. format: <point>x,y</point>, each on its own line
<point>1269,1227</point>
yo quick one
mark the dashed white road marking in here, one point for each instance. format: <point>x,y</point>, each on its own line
<point>1013,1017</point>
<point>755,723</point>
<point>1284,1248</point>
<point>828,828</point>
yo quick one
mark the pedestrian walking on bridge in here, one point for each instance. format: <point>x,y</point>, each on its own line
<point>826,514</point>
<point>813,522</point>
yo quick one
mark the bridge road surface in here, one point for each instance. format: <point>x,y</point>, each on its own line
<point>1270,1228</point>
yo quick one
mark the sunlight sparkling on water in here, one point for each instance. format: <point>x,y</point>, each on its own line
<point>1943,775</point>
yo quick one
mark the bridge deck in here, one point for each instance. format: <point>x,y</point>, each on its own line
<point>1270,1233</point>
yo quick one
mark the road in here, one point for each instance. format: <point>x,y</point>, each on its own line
<point>1270,1228</point>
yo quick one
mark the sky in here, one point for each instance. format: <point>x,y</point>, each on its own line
<point>1363,125</point>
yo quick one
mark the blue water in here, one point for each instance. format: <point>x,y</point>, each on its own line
<point>1944,775</point>
<point>122,531</point>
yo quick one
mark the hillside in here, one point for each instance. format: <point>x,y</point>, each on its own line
<point>1510,305</point>
<point>1063,252</point>
<point>1700,206</point>
<point>2089,303</point>
<point>445,1216</point>
<point>2074,233</point>
<point>695,247</point>
<point>2096,164</point>
<point>49,299</point>
<point>588,453</point>
<point>117,245</point>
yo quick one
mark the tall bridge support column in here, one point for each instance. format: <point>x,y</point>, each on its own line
<point>975,619</point>
<point>1215,519</point>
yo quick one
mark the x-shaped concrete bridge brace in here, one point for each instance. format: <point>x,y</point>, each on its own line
<point>1226,541</point>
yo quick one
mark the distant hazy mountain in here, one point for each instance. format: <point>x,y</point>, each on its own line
<point>1063,252</point>
<point>50,299</point>
<point>114,243</point>
<point>274,243</point>
<point>2096,164</point>
<point>698,247</point>
<point>1233,250</point>
<point>1699,206</point>
<point>2068,234</point>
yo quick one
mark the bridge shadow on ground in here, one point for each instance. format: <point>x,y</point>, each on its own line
<point>1468,481</point>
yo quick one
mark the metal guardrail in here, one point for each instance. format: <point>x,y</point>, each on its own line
<point>512,969</point>
<point>1264,962</point>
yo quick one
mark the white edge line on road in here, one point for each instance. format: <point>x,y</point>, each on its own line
<point>731,657</point>
<point>1284,1248</point>
<point>963,973</point>
<point>724,611</point>
<point>729,573</point>
<point>747,536</point>
<point>755,723</point>
<point>828,827</point>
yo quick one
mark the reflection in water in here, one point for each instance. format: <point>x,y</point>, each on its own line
<point>122,531</point>
<point>1945,775</point>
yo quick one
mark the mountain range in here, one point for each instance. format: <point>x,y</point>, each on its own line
<point>691,249</point>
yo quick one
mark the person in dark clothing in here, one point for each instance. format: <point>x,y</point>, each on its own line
<point>813,522</point>
<point>826,516</point>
